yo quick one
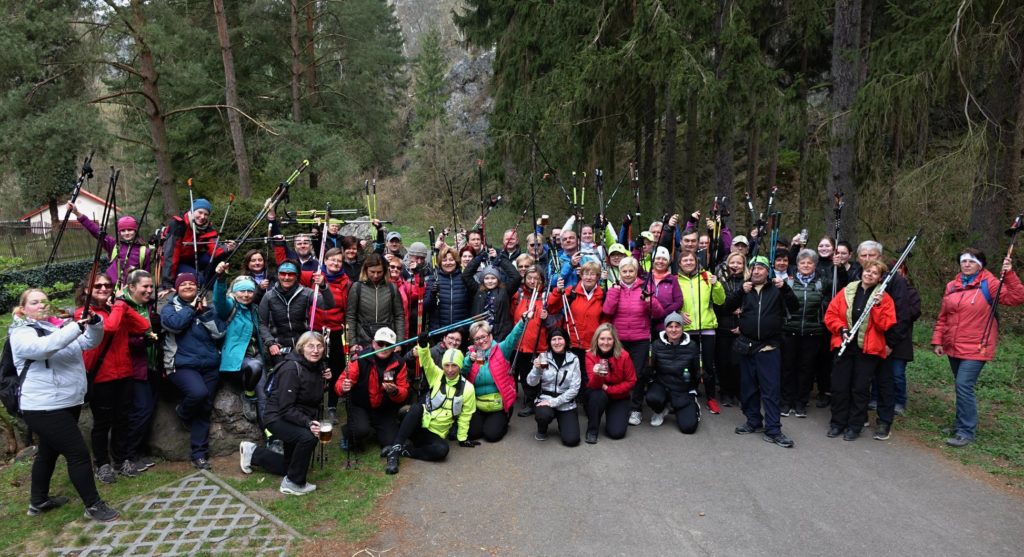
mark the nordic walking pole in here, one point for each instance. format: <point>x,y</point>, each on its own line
<point>993,311</point>
<point>837,212</point>
<point>85,174</point>
<point>316,287</point>
<point>192,220</point>
<point>224,221</point>
<point>345,398</point>
<point>439,331</point>
<point>114,175</point>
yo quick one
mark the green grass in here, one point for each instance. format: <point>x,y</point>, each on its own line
<point>998,448</point>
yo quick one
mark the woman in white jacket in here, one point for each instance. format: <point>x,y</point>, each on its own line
<point>49,352</point>
<point>557,371</point>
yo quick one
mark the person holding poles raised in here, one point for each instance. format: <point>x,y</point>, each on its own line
<point>191,245</point>
<point>126,253</point>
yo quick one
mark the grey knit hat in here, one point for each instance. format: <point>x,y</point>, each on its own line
<point>673,317</point>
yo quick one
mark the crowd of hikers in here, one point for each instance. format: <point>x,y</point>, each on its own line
<point>426,345</point>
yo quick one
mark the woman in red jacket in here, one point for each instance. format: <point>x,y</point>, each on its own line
<point>610,378</point>
<point>960,331</point>
<point>851,375</point>
<point>535,337</point>
<point>110,373</point>
<point>585,302</point>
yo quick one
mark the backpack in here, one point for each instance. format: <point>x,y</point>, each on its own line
<point>11,379</point>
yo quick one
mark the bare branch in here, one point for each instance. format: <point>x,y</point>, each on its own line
<point>28,96</point>
<point>218,107</point>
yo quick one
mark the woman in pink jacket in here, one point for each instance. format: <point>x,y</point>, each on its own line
<point>631,308</point>
<point>965,333</point>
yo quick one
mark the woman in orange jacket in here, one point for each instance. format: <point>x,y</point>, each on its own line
<point>852,374</point>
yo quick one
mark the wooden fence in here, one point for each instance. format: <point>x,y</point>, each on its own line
<point>33,243</point>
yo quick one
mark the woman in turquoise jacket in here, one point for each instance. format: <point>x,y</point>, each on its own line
<point>242,350</point>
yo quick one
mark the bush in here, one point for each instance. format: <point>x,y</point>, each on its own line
<point>9,262</point>
<point>58,281</point>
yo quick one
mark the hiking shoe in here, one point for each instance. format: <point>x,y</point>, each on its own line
<point>245,451</point>
<point>101,512</point>
<point>900,409</point>
<point>106,474</point>
<point>835,431</point>
<point>658,418</point>
<point>801,411</point>
<point>289,487</point>
<point>779,439</point>
<point>248,407</point>
<point>785,411</point>
<point>527,411</point>
<point>823,401</point>
<point>540,436</point>
<point>851,435</point>
<point>48,505</point>
<point>332,416</point>
<point>201,464</point>
<point>128,469</point>
<point>959,441</point>
<point>143,463</point>
<point>747,429</point>
<point>591,438</point>
<point>394,453</point>
<point>635,417</point>
<point>883,432</point>
<point>873,405</point>
<point>713,406</point>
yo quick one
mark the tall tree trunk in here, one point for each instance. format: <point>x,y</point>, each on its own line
<point>722,134</point>
<point>296,66</point>
<point>690,164</point>
<point>231,98</point>
<point>846,72</point>
<point>647,171</point>
<point>668,166</point>
<point>801,97</point>
<point>311,88</point>
<point>754,155</point>
<point>773,156</point>
<point>999,190</point>
<point>154,112</point>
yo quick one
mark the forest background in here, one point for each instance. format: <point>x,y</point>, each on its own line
<point>913,109</point>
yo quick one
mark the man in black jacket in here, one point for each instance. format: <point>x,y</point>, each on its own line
<point>285,308</point>
<point>763,304</point>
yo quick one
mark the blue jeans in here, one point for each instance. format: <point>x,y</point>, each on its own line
<point>140,418</point>
<point>760,378</point>
<point>966,373</point>
<point>899,379</point>
<point>199,387</point>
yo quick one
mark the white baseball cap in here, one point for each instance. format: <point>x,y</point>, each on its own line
<point>385,335</point>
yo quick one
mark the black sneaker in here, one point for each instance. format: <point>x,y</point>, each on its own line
<point>785,411</point>
<point>101,512</point>
<point>525,412</point>
<point>393,456</point>
<point>779,439</point>
<point>851,435</point>
<point>47,506</point>
<point>128,469</point>
<point>591,438</point>
<point>823,401</point>
<point>746,429</point>
<point>106,474</point>
<point>143,463</point>
<point>201,464</point>
<point>883,432</point>
<point>801,411</point>
<point>835,431</point>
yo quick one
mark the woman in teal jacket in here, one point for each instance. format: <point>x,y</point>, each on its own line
<point>243,348</point>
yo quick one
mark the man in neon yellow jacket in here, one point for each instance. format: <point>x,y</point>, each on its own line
<point>701,289</point>
<point>449,398</point>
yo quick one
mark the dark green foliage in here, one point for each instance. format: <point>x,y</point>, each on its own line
<point>71,272</point>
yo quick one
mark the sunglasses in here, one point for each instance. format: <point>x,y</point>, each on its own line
<point>103,286</point>
<point>395,267</point>
<point>285,274</point>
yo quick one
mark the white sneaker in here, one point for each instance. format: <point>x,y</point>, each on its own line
<point>246,449</point>
<point>658,418</point>
<point>289,487</point>
<point>635,417</point>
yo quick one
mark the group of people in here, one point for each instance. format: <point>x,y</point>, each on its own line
<point>680,319</point>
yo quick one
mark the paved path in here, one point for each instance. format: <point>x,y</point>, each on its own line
<point>658,492</point>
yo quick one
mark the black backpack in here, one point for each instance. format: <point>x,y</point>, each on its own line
<point>11,378</point>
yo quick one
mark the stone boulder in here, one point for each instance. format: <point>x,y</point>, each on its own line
<point>228,427</point>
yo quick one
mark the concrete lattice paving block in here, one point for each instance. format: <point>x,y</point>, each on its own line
<point>197,514</point>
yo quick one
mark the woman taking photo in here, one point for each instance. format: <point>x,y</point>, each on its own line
<point>865,351</point>
<point>291,416</point>
<point>961,335</point>
<point>192,361</point>
<point>48,352</point>
<point>557,373</point>
<point>610,380</point>
<point>110,367</point>
<point>242,350</point>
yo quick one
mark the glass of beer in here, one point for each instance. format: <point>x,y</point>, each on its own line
<point>326,432</point>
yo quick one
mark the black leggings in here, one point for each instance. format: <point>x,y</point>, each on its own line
<point>727,363</point>
<point>59,435</point>
<point>252,371</point>
<point>616,413</point>
<point>299,444</point>
<point>685,404</point>
<point>363,423</point>
<point>111,403</point>
<point>707,360</point>
<point>426,445</point>
<point>491,426</point>
<point>638,351</point>
<point>524,363</point>
<point>335,361</point>
<point>568,423</point>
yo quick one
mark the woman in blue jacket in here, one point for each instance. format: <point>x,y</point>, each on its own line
<point>192,361</point>
<point>243,349</point>
<point>447,297</point>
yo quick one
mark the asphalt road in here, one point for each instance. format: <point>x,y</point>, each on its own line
<point>659,492</point>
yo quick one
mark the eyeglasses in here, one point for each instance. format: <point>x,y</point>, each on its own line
<point>103,286</point>
<point>535,245</point>
<point>395,267</point>
<point>522,267</point>
<point>481,337</point>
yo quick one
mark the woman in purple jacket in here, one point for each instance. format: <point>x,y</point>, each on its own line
<point>126,253</point>
<point>631,308</point>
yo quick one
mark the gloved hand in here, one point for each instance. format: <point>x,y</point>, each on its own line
<point>423,339</point>
<point>468,444</point>
<point>94,318</point>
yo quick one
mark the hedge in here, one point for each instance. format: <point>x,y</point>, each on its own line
<point>39,277</point>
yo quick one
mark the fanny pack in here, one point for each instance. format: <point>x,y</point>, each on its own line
<point>747,347</point>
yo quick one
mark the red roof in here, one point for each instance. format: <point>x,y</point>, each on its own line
<point>80,192</point>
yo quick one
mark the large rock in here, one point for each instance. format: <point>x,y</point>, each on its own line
<point>468,104</point>
<point>228,427</point>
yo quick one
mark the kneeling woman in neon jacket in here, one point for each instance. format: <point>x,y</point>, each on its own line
<point>862,360</point>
